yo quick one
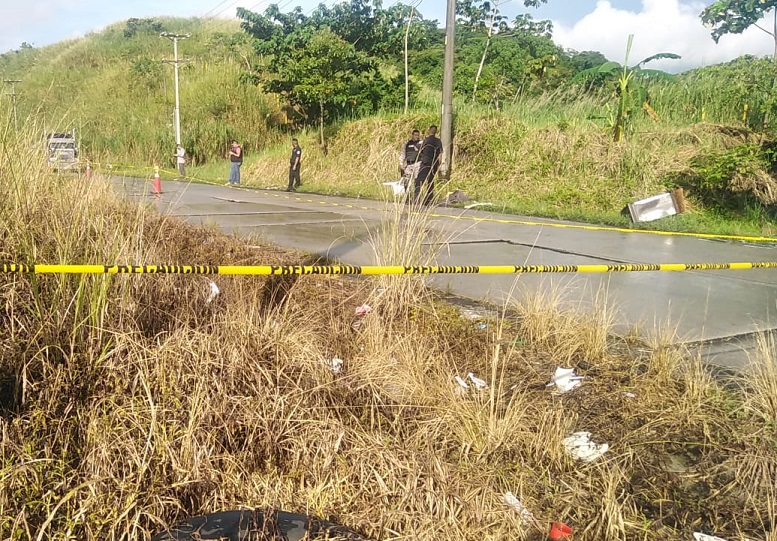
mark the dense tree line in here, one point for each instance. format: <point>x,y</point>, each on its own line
<point>349,59</point>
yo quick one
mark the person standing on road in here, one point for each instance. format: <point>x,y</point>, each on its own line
<point>294,164</point>
<point>236,160</point>
<point>408,159</point>
<point>180,156</point>
<point>429,158</point>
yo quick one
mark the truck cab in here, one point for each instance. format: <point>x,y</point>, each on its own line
<point>62,151</point>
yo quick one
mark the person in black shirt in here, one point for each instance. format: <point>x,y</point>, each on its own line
<point>408,159</point>
<point>429,158</point>
<point>294,163</point>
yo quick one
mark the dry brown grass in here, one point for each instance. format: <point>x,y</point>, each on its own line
<point>133,404</point>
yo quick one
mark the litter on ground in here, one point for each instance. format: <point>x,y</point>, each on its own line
<point>397,186</point>
<point>698,536</point>
<point>336,365</point>
<point>363,310</point>
<point>565,380</point>
<point>214,292</point>
<point>516,505</point>
<point>463,384</point>
<point>477,382</point>
<point>580,447</point>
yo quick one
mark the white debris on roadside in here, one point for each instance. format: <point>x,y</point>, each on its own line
<point>698,536</point>
<point>515,504</point>
<point>477,382</point>
<point>629,395</point>
<point>363,310</point>
<point>463,384</point>
<point>397,186</point>
<point>580,447</point>
<point>565,380</point>
<point>214,292</point>
<point>336,365</point>
<point>471,314</point>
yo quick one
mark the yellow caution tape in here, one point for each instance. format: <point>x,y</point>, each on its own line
<point>374,270</point>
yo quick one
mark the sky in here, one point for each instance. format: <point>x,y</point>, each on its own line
<point>583,25</point>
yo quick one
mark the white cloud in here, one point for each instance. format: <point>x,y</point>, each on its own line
<point>671,26</point>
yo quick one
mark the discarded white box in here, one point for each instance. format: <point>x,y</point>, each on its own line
<point>653,208</point>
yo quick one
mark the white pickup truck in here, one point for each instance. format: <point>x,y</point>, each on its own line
<point>62,152</point>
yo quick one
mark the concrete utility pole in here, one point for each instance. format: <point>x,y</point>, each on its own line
<point>446,124</point>
<point>175,62</point>
<point>13,82</point>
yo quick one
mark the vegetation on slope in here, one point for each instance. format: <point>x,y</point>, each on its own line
<point>130,402</point>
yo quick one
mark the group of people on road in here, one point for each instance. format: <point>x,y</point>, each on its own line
<point>235,155</point>
<point>236,158</point>
<point>419,162</point>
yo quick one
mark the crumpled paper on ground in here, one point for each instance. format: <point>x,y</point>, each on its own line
<point>580,447</point>
<point>510,499</point>
<point>214,292</point>
<point>565,380</point>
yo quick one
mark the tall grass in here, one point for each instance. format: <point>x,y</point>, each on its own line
<point>132,403</point>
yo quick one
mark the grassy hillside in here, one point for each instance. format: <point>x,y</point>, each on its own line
<point>550,155</point>
<point>114,89</point>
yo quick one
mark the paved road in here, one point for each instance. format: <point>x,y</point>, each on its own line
<point>718,310</point>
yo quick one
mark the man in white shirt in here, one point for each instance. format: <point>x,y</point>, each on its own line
<point>180,154</point>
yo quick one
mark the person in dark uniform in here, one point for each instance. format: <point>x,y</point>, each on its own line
<point>408,159</point>
<point>429,158</point>
<point>294,163</point>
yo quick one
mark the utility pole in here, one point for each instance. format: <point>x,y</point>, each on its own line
<point>446,124</point>
<point>407,75</point>
<point>177,113</point>
<point>13,82</point>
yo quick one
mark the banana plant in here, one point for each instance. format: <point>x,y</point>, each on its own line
<point>630,91</point>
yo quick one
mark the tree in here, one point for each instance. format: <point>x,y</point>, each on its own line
<point>494,21</point>
<point>736,16</point>
<point>323,75</point>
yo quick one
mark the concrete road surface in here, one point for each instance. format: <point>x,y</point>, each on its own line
<point>716,312</point>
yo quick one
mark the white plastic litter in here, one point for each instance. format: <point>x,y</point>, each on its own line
<point>629,395</point>
<point>698,536</point>
<point>336,365</point>
<point>514,503</point>
<point>580,447</point>
<point>565,380</point>
<point>214,292</point>
<point>477,382</point>
<point>463,384</point>
<point>397,186</point>
<point>363,310</point>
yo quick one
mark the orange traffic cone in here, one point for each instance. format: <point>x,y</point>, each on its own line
<point>157,190</point>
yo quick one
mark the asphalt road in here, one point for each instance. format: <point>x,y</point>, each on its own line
<point>714,312</point>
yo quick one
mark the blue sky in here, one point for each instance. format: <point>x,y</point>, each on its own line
<point>602,25</point>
